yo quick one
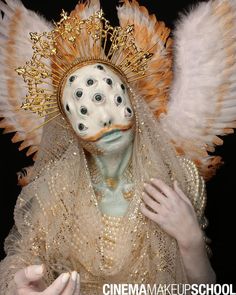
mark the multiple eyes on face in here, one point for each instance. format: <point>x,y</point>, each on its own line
<point>91,81</point>
<point>98,98</point>
<point>128,113</point>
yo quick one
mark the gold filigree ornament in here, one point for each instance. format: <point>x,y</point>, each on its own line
<point>73,44</point>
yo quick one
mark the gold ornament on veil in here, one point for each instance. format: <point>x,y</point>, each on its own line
<point>73,44</point>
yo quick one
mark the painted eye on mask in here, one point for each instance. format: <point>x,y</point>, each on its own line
<point>109,81</point>
<point>100,67</point>
<point>83,110</point>
<point>82,127</point>
<point>67,108</point>
<point>118,100</point>
<point>72,78</point>
<point>90,82</point>
<point>98,98</point>
<point>128,112</point>
<point>78,93</point>
<point>122,86</point>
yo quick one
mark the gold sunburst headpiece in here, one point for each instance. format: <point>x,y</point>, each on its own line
<point>72,44</point>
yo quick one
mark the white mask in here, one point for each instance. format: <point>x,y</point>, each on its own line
<point>97,105</point>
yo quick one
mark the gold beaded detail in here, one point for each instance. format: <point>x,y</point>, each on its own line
<point>196,190</point>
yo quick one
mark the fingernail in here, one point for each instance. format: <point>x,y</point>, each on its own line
<point>65,277</point>
<point>74,275</point>
<point>38,269</point>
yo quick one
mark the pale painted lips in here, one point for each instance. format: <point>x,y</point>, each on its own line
<point>111,135</point>
<point>109,132</point>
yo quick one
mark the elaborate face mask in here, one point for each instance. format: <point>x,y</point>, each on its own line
<point>97,105</point>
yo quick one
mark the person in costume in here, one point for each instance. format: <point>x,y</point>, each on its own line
<point>121,134</point>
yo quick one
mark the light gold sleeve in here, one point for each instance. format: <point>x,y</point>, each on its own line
<point>196,191</point>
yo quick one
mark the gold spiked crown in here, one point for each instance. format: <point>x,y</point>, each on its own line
<point>72,44</point>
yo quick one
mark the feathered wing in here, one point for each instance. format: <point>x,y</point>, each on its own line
<point>15,49</point>
<point>202,104</point>
<point>154,36</point>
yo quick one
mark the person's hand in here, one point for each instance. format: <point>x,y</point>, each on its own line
<point>172,211</point>
<point>29,282</point>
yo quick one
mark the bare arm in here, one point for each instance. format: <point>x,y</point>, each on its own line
<point>196,261</point>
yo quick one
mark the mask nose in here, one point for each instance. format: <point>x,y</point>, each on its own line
<point>106,120</point>
<point>106,123</point>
